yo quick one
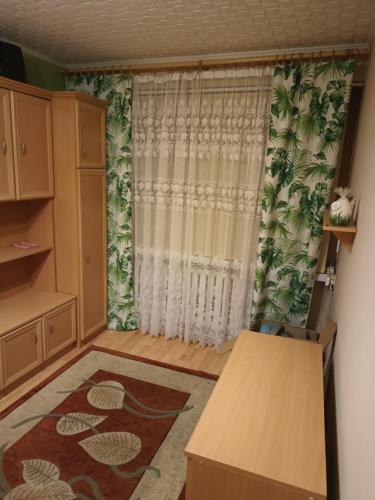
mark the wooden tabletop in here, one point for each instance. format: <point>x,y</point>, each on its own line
<point>266,414</point>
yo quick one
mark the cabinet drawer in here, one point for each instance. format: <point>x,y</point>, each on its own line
<point>59,329</point>
<point>21,351</point>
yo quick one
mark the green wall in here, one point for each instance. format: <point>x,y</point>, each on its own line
<point>43,74</point>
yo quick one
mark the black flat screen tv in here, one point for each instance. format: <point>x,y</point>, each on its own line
<point>11,62</point>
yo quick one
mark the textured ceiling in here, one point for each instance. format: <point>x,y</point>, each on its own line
<point>73,31</point>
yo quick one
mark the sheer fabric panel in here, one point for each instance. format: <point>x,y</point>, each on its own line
<point>199,146</point>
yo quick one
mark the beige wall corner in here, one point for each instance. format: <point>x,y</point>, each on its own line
<point>354,312</point>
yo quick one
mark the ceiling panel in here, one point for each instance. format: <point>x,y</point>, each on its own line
<point>75,32</point>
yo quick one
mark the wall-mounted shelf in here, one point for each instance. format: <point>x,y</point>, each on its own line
<point>345,234</point>
<point>9,253</point>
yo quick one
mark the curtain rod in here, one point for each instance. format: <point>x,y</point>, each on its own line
<point>357,54</point>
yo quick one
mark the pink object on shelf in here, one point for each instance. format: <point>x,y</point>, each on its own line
<point>25,245</point>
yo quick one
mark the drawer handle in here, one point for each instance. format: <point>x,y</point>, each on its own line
<point>4,146</point>
<point>84,151</point>
<point>50,330</point>
<point>23,148</point>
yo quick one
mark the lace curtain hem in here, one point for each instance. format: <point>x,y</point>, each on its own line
<point>204,299</point>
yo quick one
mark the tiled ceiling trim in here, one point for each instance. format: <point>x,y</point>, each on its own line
<point>87,31</point>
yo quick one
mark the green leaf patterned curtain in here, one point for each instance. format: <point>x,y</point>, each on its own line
<point>308,113</point>
<point>116,90</point>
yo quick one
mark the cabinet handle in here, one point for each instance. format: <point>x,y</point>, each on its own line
<point>35,337</point>
<point>84,151</point>
<point>23,148</point>
<point>87,258</point>
<point>50,330</point>
<point>4,146</point>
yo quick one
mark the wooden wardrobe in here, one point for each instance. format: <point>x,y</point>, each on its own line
<point>80,206</point>
<point>37,322</point>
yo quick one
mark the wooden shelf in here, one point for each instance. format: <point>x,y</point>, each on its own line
<point>345,234</point>
<point>9,253</point>
<point>23,307</point>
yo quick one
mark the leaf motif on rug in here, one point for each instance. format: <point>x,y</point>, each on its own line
<point>39,472</point>
<point>56,490</point>
<point>107,398</point>
<point>74,423</point>
<point>112,448</point>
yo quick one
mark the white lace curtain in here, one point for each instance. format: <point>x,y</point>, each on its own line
<point>199,140</point>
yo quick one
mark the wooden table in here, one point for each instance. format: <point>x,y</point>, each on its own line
<point>261,435</point>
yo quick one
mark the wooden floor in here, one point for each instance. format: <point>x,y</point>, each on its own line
<point>157,348</point>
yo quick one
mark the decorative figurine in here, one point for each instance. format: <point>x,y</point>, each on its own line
<point>341,211</point>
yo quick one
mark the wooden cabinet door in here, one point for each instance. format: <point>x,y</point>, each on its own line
<point>91,136</point>
<point>7,189</point>
<point>32,136</point>
<point>21,351</point>
<point>92,190</point>
<point>59,329</point>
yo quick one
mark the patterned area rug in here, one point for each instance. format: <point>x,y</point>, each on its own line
<point>106,426</point>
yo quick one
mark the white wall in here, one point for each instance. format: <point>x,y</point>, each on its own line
<point>354,311</point>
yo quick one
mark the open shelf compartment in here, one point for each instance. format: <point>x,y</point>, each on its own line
<point>27,276</point>
<point>9,253</point>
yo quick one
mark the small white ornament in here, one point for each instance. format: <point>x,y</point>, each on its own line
<point>341,211</point>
